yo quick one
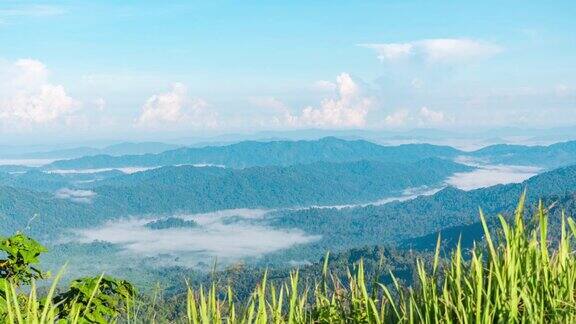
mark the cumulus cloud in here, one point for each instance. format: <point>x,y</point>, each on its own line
<point>348,108</point>
<point>391,51</point>
<point>176,107</point>
<point>268,102</point>
<point>80,196</point>
<point>438,50</point>
<point>28,98</point>
<point>100,104</point>
<point>431,117</point>
<point>323,85</point>
<point>397,119</point>
<point>423,117</point>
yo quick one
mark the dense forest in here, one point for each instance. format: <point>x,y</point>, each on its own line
<point>450,209</point>
<point>329,149</point>
<point>359,201</point>
<point>199,189</point>
<point>253,153</point>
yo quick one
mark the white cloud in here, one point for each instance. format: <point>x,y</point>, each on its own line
<point>438,50</point>
<point>80,196</point>
<point>391,51</point>
<point>28,98</point>
<point>268,102</point>
<point>348,108</point>
<point>175,108</point>
<point>432,117</point>
<point>489,175</point>
<point>324,85</point>
<point>423,117</point>
<point>397,119</point>
<point>214,237</point>
<point>100,104</point>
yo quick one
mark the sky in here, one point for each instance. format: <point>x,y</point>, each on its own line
<point>160,69</point>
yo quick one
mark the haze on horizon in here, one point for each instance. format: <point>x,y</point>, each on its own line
<point>79,71</point>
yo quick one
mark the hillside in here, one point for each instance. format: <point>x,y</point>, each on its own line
<point>552,156</point>
<point>451,210</point>
<point>113,150</point>
<point>200,189</point>
<point>194,189</point>
<point>253,153</point>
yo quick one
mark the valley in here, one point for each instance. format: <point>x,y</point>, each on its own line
<point>266,212</point>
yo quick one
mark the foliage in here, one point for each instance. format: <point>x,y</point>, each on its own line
<point>193,189</point>
<point>22,254</point>
<point>95,299</point>
<point>280,153</point>
<point>88,300</point>
<point>518,278</point>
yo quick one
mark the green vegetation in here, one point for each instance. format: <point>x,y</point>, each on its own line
<point>329,149</point>
<point>516,277</point>
<point>191,189</point>
<point>88,300</point>
<point>417,223</point>
<point>552,156</point>
<point>279,153</point>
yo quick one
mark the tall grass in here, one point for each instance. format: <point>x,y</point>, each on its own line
<point>517,277</point>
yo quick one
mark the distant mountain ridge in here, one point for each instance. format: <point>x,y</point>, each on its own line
<point>330,149</point>
<point>415,222</point>
<point>188,188</point>
<point>254,153</point>
<point>112,150</point>
<point>551,156</point>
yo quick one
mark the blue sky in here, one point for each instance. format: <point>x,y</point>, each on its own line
<point>171,68</point>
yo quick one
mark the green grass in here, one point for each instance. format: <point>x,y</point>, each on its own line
<point>519,277</point>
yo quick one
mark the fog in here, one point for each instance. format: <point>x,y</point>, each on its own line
<point>489,175</point>
<point>127,170</point>
<point>407,194</point>
<point>26,162</point>
<point>230,235</point>
<point>81,196</point>
<point>226,235</point>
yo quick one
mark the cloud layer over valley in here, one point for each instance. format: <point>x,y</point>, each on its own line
<point>224,235</point>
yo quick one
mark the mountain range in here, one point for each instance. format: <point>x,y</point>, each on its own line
<point>329,149</point>
<point>189,189</point>
<point>76,152</point>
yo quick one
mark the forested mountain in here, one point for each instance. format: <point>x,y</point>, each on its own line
<point>199,189</point>
<point>38,213</point>
<point>557,204</point>
<point>552,156</point>
<point>253,153</point>
<point>37,180</point>
<point>378,261</point>
<point>113,150</point>
<point>329,149</point>
<point>286,178</point>
<point>451,209</point>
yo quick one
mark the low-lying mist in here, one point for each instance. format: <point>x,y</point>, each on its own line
<point>227,236</point>
<point>486,175</point>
